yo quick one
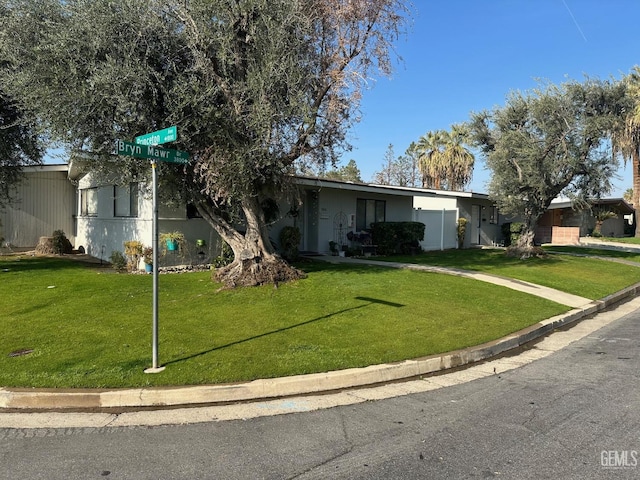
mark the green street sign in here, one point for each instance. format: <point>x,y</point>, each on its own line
<point>158,138</point>
<point>151,151</point>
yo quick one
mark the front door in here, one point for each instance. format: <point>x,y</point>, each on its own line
<point>312,212</point>
<point>475,224</point>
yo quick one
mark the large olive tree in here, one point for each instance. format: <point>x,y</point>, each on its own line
<point>253,86</point>
<point>551,141</point>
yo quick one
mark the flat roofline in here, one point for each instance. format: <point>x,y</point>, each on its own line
<point>46,167</point>
<point>403,191</point>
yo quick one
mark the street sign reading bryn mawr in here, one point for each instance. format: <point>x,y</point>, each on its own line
<point>151,151</point>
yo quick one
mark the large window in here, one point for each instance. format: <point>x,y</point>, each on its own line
<point>125,200</point>
<point>368,212</point>
<point>89,202</point>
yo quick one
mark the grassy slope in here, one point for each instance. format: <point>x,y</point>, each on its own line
<point>94,328</point>
<point>587,277</point>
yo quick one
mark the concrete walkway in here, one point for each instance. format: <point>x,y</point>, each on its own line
<point>111,407</point>
<point>538,290</point>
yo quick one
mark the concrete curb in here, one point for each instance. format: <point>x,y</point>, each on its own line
<point>70,400</point>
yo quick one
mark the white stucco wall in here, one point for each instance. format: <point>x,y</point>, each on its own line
<point>332,205</point>
<point>104,233</point>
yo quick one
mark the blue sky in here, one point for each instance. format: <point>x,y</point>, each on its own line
<point>466,55</point>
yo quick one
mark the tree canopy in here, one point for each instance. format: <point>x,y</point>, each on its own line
<point>346,173</point>
<point>19,146</point>
<point>550,141</point>
<point>401,171</point>
<point>253,86</point>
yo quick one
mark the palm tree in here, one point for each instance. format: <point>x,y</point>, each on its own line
<point>458,158</point>
<point>626,141</point>
<point>429,148</point>
<point>443,159</point>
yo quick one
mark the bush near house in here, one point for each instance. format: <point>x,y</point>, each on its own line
<point>511,231</point>
<point>289,241</point>
<point>462,230</point>
<point>118,260</point>
<point>397,237</point>
<point>61,243</point>
<point>134,250</point>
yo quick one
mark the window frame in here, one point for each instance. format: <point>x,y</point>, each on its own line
<point>123,192</point>
<point>86,202</point>
<point>364,207</point>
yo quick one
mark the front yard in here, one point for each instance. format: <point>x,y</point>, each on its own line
<point>68,324</point>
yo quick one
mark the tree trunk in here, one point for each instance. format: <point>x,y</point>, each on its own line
<point>597,229</point>
<point>635,164</point>
<point>255,260</point>
<point>524,247</point>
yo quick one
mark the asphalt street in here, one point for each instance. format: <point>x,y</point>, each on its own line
<point>574,414</point>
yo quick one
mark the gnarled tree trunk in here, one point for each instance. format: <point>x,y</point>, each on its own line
<point>255,260</point>
<point>525,246</point>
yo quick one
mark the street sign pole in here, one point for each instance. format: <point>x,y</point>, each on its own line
<point>155,368</point>
<point>146,146</point>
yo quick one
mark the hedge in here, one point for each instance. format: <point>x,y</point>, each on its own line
<point>397,237</point>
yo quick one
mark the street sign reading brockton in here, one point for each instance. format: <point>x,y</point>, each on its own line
<point>158,138</point>
<point>151,151</point>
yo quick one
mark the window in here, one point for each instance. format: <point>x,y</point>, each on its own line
<point>89,202</point>
<point>125,200</point>
<point>368,212</point>
<point>493,215</point>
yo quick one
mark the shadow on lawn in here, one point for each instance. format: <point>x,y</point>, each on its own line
<point>370,301</point>
<point>23,263</point>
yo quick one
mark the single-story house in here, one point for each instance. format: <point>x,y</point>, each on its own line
<point>98,216</point>
<point>563,223</point>
<point>332,209</point>
<point>45,201</point>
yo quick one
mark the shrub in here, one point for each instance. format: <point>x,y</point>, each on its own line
<point>225,257</point>
<point>462,229</point>
<point>147,255</point>
<point>397,237</point>
<point>133,249</point>
<point>60,243</point>
<point>511,232</point>
<point>289,241</point>
<point>118,260</point>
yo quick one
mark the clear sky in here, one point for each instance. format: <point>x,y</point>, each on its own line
<point>466,55</point>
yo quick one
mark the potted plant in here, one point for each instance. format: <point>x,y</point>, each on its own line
<point>148,259</point>
<point>333,246</point>
<point>172,240</point>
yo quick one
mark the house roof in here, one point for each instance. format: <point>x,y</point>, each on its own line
<point>618,203</point>
<point>45,168</point>
<point>75,171</point>
<point>385,189</point>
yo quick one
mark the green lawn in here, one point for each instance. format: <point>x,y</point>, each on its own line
<point>631,240</point>
<point>89,327</point>
<point>587,277</point>
<point>633,256</point>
